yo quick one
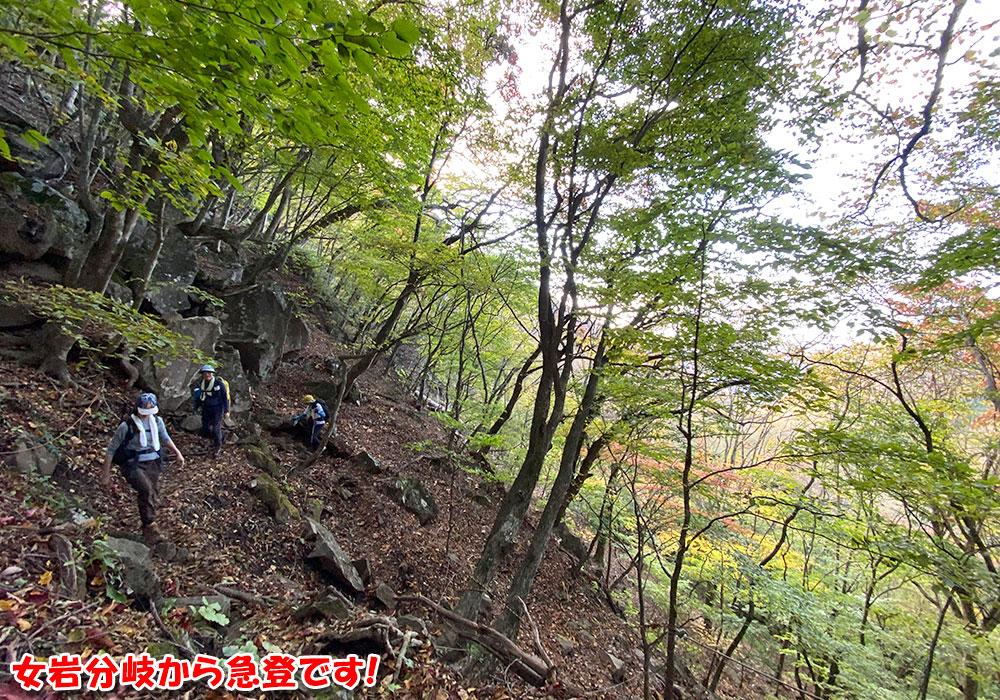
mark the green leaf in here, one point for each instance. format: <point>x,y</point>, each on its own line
<point>363,61</point>
<point>114,594</point>
<point>34,138</point>
<point>394,47</point>
<point>406,30</point>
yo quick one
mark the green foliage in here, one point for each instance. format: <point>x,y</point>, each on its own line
<point>212,612</point>
<point>114,582</point>
<point>90,317</point>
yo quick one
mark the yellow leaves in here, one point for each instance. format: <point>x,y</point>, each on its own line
<point>6,605</point>
<point>23,624</point>
<point>45,578</point>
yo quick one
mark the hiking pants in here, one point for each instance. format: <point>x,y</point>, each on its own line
<point>143,477</point>
<point>317,434</point>
<point>211,423</point>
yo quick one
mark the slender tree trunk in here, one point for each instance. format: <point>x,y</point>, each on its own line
<point>510,619</point>
<point>508,409</point>
<point>147,273</point>
<point>925,678</point>
<point>586,469</point>
<point>733,645</point>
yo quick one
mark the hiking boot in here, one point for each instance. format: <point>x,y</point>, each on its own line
<point>218,451</point>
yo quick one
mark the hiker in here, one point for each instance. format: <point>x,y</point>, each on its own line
<point>313,419</point>
<point>211,395</point>
<point>137,449</point>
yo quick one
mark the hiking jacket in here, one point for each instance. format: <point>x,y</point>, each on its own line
<point>215,396</point>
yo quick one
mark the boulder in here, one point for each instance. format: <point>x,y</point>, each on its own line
<point>386,596</point>
<point>329,603</point>
<point>574,545</point>
<point>412,622</point>
<point>327,390</point>
<point>36,219</point>
<point>368,463</point>
<point>260,458</point>
<point>364,568</point>
<point>566,645</point>
<point>298,335</point>
<point>136,567</point>
<point>617,666</point>
<point>315,509</point>
<point>191,422</point>
<point>35,459</point>
<point>258,324</point>
<point>44,161</point>
<point>219,268</point>
<point>33,269</point>
<point>268,491</point>
<point>240,389</point>
<point>331,558</point>
<point>410,492</point>
<point>171,380</point>
<point>175,269</point>
<point>273,422</point>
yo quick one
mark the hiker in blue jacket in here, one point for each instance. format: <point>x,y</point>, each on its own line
<point>137,449</point>
<point>211,395</point>
<point>313,419</point>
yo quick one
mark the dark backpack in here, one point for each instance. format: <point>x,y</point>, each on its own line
<point>322,404</point>
<point>123,456</point>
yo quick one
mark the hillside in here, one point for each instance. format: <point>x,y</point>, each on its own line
<point>652,349</point>
<point>219,537</point>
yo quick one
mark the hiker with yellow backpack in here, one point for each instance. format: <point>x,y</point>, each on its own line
<point>211,395</point>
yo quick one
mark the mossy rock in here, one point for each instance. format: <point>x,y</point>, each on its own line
<point>262,459</point>
<point>269,491</point>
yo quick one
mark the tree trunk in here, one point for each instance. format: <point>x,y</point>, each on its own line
<point>508,409</point>
<point>510,619</point>
<point>733,645</point>
<point>586,469</point>
<point>925,678</point>
<point>147,273</point>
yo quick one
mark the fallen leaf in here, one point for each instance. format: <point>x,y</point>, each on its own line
<point>6,604</point>
<point>45,578</point>
<point>23,624</point>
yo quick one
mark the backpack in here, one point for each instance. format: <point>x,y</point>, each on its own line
<point>326,411</point>
<point>123,456</point>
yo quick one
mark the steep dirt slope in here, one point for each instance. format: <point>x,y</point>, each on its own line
<point>220,534</point>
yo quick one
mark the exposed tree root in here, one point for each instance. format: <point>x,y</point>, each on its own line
<point>531,668</point>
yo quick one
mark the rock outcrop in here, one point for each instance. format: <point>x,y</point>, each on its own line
<point>262,326</point>
<point>410,492</point>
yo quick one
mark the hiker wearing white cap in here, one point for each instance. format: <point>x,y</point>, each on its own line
<point>211,395</point>
<point>137,449</point>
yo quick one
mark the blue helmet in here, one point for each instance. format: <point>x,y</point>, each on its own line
<point>207,368</point>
